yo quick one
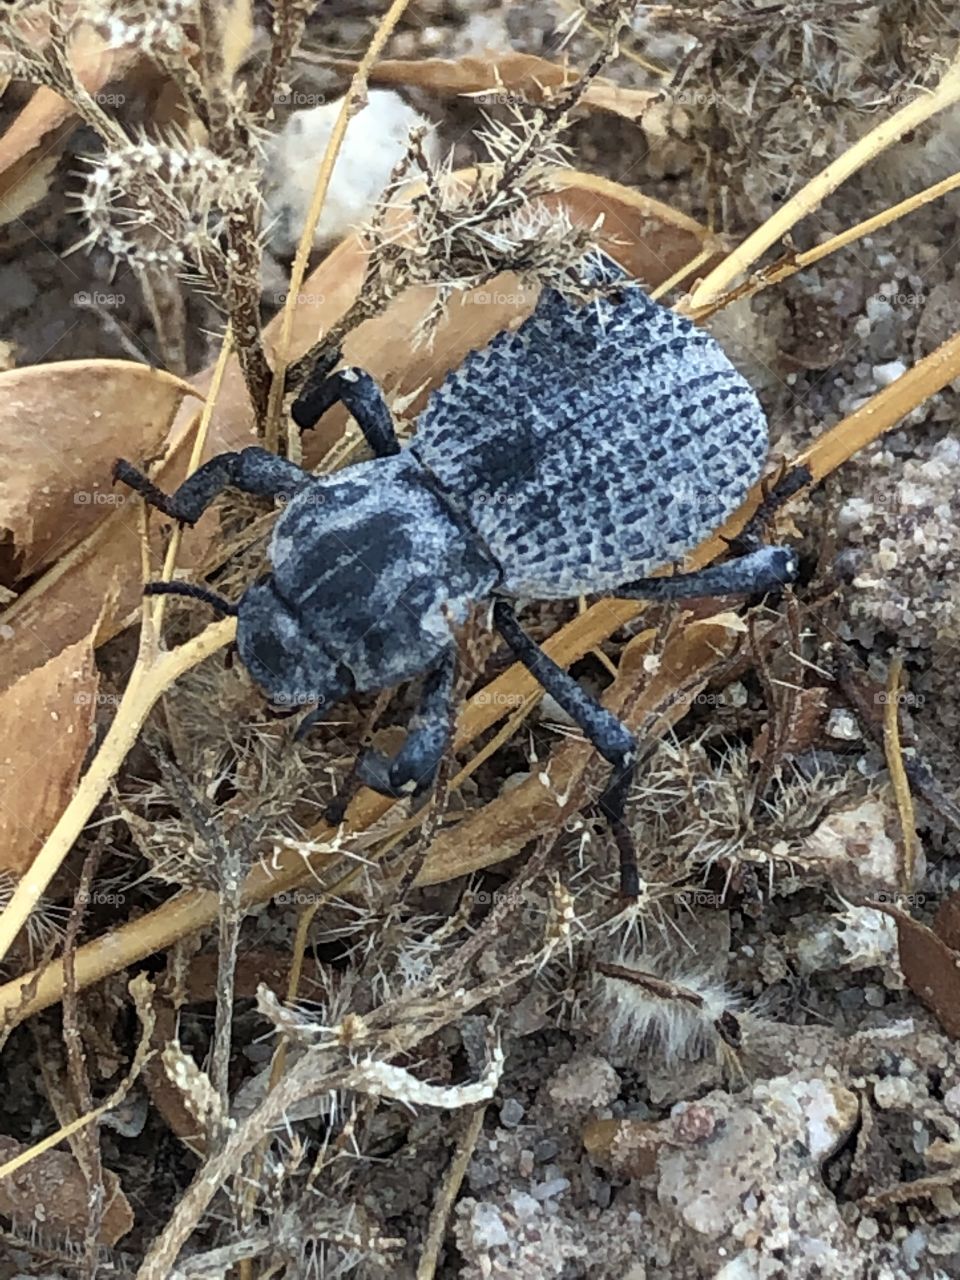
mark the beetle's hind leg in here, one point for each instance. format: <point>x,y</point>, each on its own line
<point>253,470</point>
<point>611,738</point>
<point>413,770</point>
<point>359,393</point>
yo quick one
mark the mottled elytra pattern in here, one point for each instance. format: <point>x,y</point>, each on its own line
<point>595,443</point>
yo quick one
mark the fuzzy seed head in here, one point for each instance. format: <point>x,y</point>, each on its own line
<point>154,27</point>
<point>676,1017</point>
<point>161,204</point>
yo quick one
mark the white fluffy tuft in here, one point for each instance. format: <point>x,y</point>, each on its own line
<point>681,1017</point>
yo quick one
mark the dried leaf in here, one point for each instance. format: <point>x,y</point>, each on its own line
<point>931,968</point>
<point>652,240</point>
<point>62,425</point>
<point>47,719</point>
<point>50,1195</point>
<point>503,77</point>
<point>47,120</point>
<point>946,923</point>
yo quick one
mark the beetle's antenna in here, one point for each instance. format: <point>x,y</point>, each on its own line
<point>194,592</point>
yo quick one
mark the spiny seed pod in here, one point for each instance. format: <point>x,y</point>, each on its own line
<point>163,204</point>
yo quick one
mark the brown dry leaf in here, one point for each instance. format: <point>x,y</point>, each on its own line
<point>540,804</point>
<point>652,240</point>
<point>47,120</point>
<point>536,79</point>
<point>61,426</point>
<point>931,968</point>
<point>47,719</point>
<point>946,923</point>
<point>50,1194</point>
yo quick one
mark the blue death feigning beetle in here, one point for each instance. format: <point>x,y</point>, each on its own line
<point>574,455</point>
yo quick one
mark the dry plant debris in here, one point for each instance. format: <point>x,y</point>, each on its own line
<point>747,1071</point>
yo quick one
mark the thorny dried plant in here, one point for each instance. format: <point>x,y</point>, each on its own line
<point>780,84</point>
<point>167,204</point>
<point>458,235</point>
<point>367,1032</point>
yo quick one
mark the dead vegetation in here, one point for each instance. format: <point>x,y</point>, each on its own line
<point>312,998</point>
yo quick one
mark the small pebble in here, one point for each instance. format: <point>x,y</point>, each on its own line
<point>511,1113</point>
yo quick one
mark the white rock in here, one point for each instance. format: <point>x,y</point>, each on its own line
<point>884,374</point>
<point>375,141</point>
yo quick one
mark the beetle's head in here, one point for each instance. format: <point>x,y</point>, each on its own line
<point>283,659</point>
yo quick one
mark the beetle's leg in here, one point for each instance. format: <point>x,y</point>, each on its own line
<point>360,395</point>
<point>750,537</point>
<point>412,771</point>
<point>252,470</point>
<point>767,569</point>
<point>611,738</point>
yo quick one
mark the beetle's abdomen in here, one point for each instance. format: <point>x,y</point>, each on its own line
<point>596,443</point>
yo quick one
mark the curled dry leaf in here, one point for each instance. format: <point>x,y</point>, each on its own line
<point>61,426</point>
<point>653,241</point>
<point>49,1196</point>
<point>48,719</point>
<point>520,75</point>
<point>930,967</point>
<point>45,123</point>
<point>946,923</point>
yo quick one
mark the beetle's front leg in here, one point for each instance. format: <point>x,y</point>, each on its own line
<point>413,770</point>
<point>359,393</point>
<point>253,470</point>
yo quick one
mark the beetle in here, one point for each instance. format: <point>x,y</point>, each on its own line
<point>575,454</point>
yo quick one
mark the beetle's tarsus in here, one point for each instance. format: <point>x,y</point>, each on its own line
<point>750,537</point>
<point>413,770</point>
